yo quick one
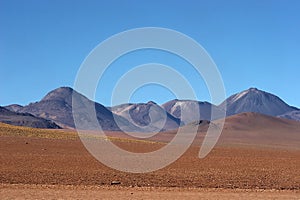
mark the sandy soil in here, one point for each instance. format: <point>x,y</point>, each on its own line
<point>116,192</point>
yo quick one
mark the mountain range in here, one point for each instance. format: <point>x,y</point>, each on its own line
<point>56,108</point>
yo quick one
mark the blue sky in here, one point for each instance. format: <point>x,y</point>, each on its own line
<point>253,43</point>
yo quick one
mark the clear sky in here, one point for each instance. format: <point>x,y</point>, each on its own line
<point>254,44</point>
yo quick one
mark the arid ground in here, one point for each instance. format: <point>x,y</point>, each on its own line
<point>256,158</point>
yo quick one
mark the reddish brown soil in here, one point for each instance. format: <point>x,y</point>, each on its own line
<point>30,160</point>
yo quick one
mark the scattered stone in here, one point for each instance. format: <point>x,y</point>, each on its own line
<point>115,183</point>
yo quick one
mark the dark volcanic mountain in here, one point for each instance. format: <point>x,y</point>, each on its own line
<point>57,106</point>
<point>25,119</point>
<point>254,100</point>
<point>150,117</point>
<point>175,106</point>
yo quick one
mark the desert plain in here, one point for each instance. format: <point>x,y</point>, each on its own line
<point>256,157</point>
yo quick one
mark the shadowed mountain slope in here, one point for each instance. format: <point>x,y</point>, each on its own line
<point>25,119</point>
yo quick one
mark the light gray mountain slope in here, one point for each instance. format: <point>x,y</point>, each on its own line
<point>174,107</point>
<point>148,116</point>
<point>293,115</point>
